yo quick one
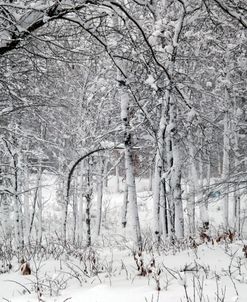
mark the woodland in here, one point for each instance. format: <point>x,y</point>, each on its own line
<point>122,150</point>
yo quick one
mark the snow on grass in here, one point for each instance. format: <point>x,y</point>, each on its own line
<point>108,272</point>
<point>210,270</point>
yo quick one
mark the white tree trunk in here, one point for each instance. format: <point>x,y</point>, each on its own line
<point>26,207</point>
<point>117,179</point>
<point>163,210</point>
<point>176,172</point>
<point>40,212</point>
<point>125,206</point>
<point>99,195</point>
<point>5,217</point>
<point>225,169</point>
<point>129,168</point>
<point>158,171</point>
<point>19,232</point>
<point>106,162</point>
<point>150,178</point>
<point>80,213</point>
<point>237,205</point>
<point>193,186</point>
<point>169,199</point>
<point>34,205</point>
<point>177,194</point>
<point>89,203</point>
<point>203,204</point>
<point>75,211</point>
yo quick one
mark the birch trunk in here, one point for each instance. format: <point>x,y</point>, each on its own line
<point>129,168</point>
<point>176,173</point>
<point>40,212</point>
<point>5,219</point>
<point>80,212</point>
<point>225,169</point>
<point>26,207</point>
<point>5,204</point>
<point>158,170</point>
<point>237,205</point>
<point>34,205</point>
<point>177,193</point>
<point>75,211</point>
<point>88,203</point>
<point>99,196</point>
<point>125,206</point>
<point>19,232</point>
<point>203,205</point>
<point>150,178</point>
<point>117,179</point>
<point>169,200</point>
<point>163,210</point>
<point>106,162</point>
<point>193,186</point>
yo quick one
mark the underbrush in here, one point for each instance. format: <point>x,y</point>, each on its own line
<point>203,270</point>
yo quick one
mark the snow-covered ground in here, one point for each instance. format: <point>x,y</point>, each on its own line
<point>108,271</point>
<point>208,273</point>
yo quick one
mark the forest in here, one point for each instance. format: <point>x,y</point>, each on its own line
<point>123,131</point>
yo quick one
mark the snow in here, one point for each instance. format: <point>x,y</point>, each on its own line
<point>208,265</point>
<point>124,105</point>
<point>115,276</point>
<point>151,82</point>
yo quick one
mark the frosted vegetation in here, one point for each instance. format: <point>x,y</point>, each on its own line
<point>122,150</point>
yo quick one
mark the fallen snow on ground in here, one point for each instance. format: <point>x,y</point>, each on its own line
<point>214,272</point>
<point>108,272</point>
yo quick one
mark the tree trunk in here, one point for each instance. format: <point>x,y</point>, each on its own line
<point>163,210</point>
<point>80,211</point>
<point>117,179</point>
<point>99,195</point>
<point>75,211</point>
<point>89,203</point>
<point>203,205</point>
<point>176,173</point>
<point>193,186</point>
<point>125,206</point>
<point>40,211</point>
<point>168,189</point>
<point>158,171</point>
<point>225,169</point>
<point>129,168</point>
<point>26,207</point>
<point>34,205</point>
